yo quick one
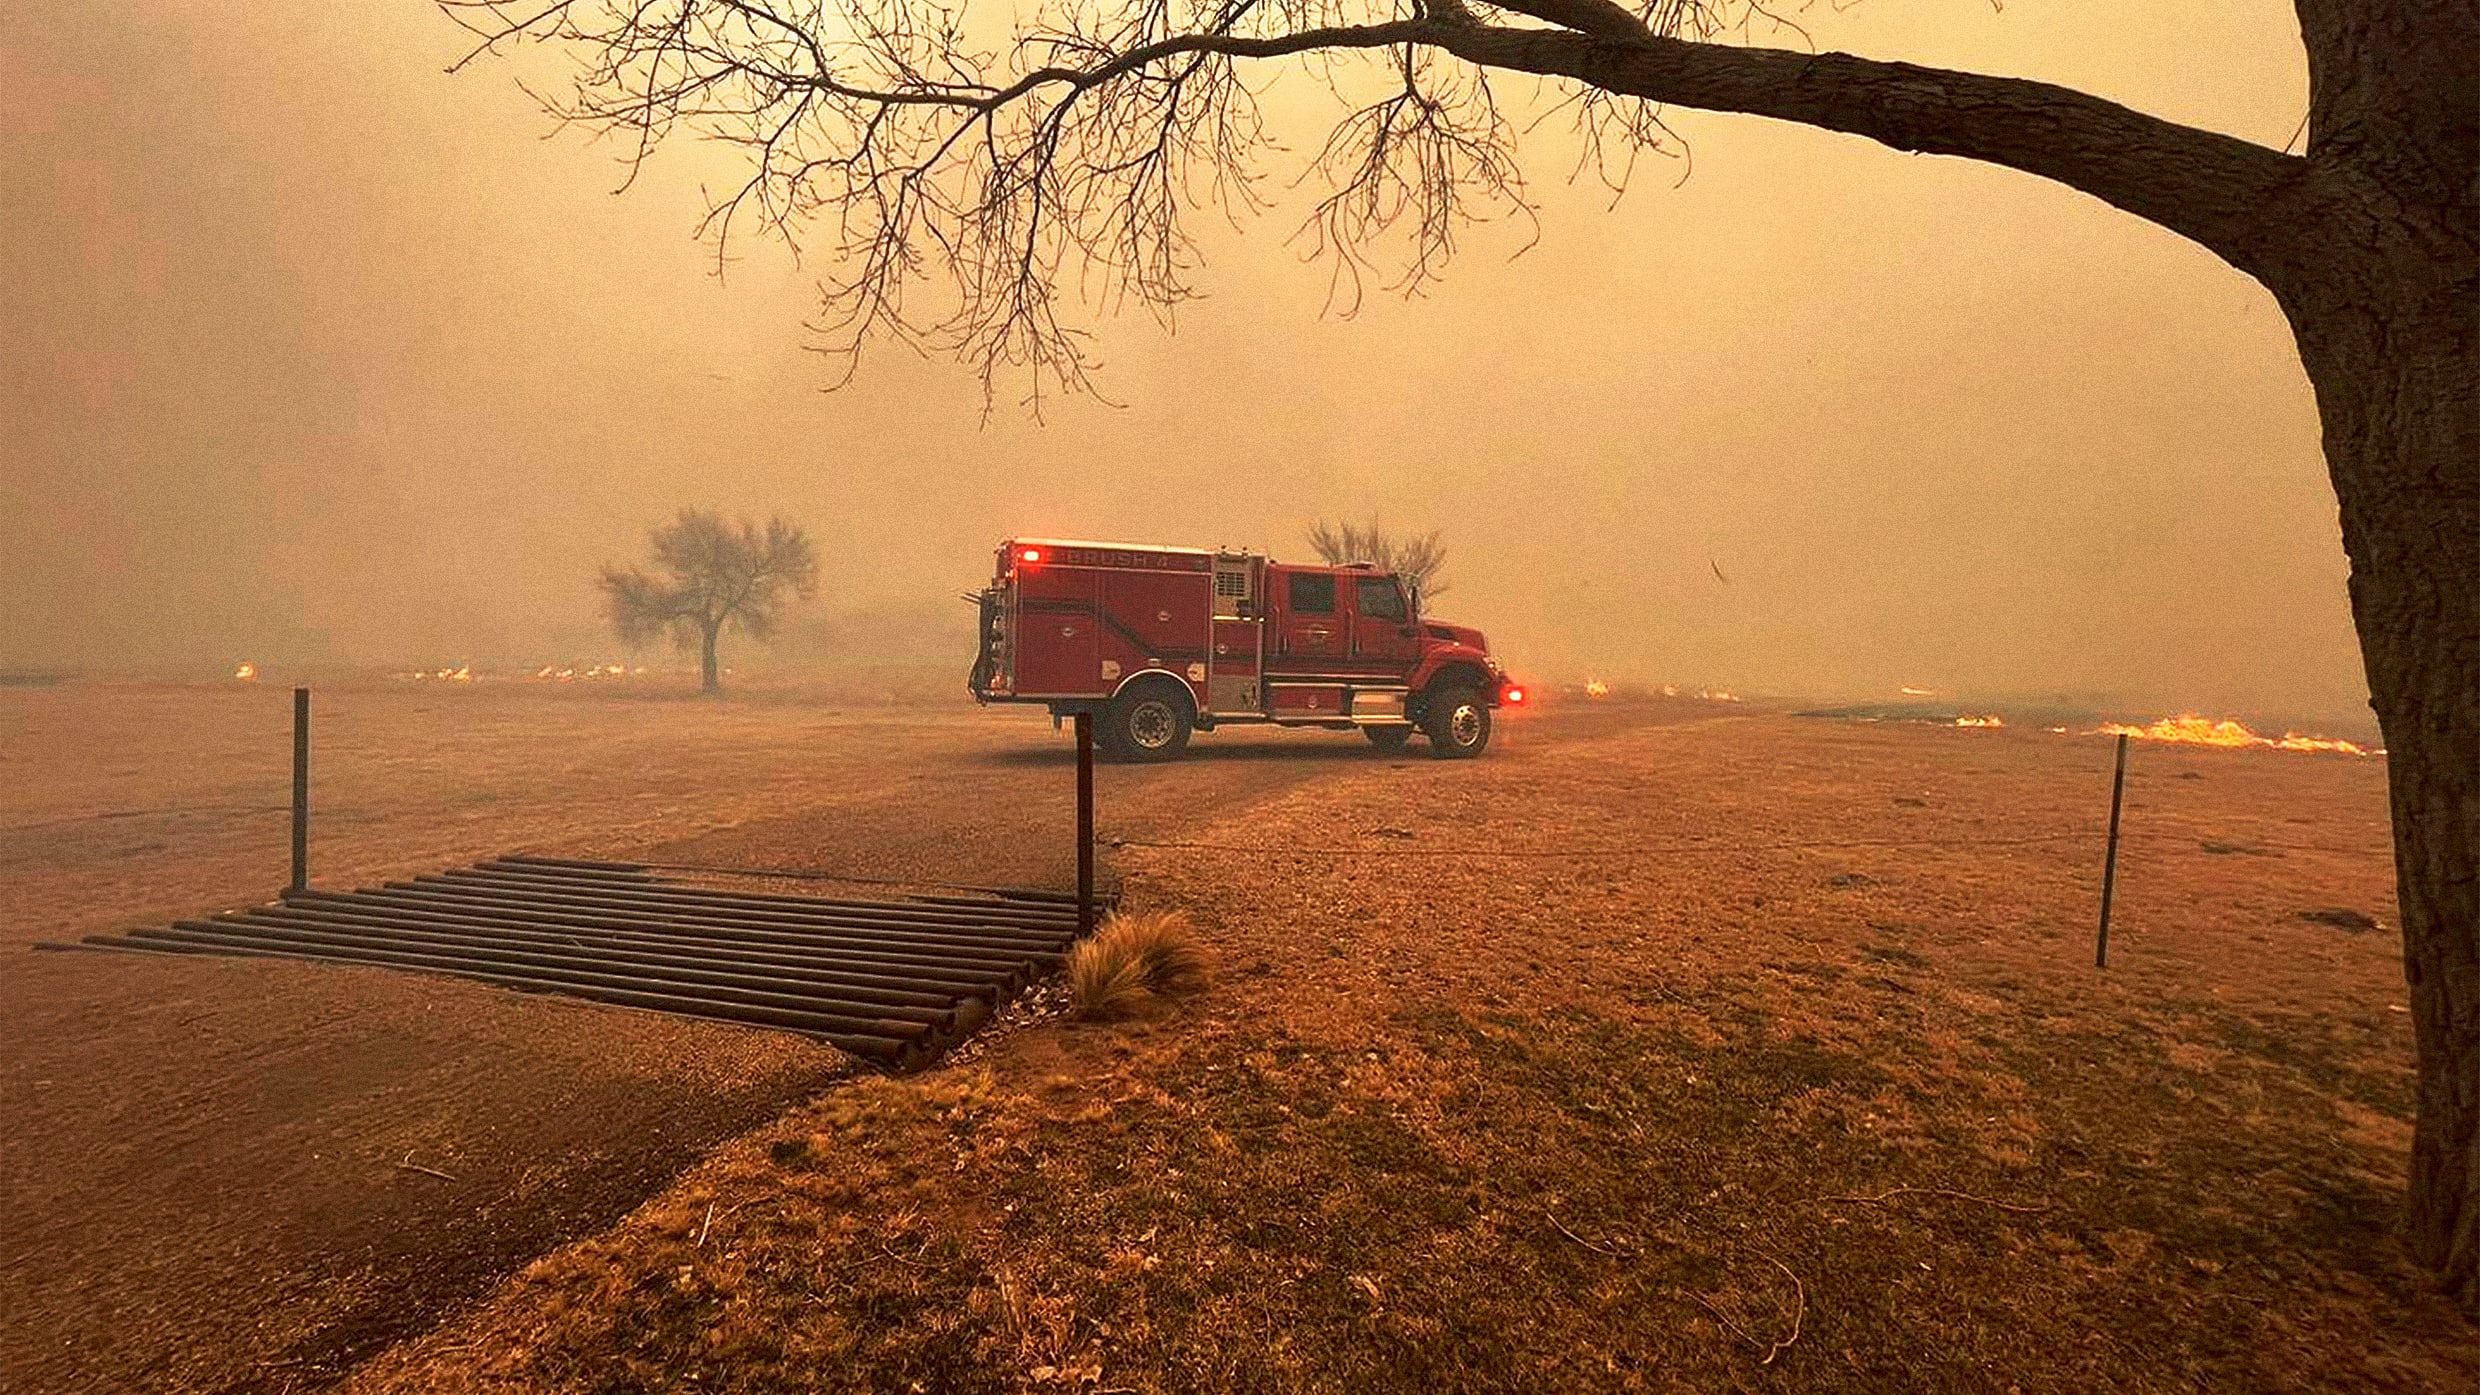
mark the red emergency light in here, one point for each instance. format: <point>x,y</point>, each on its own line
<point>1029,554</point>
<point>1515,697</point>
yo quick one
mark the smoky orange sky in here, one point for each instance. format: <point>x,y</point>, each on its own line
<point>316,354</point>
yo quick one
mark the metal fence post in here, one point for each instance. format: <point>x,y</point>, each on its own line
<point>301,789</point>
<point>2109,865</point>
<point>1084,823</point>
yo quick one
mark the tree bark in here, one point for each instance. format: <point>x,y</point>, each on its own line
<point>710,632</point>
<point>2390,337</point>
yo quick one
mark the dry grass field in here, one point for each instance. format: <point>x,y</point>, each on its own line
<point>1743,1053</point>
<point>1666,1048</point>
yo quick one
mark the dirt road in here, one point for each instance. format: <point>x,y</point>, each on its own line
<point>228,1175</point>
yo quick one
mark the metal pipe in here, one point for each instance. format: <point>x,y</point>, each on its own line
<point>925,904</point>
<point>579,863</point>
<point>936,1008</point>
<point>1000,940</point>
<point>1031,919</point>
<point>899,956</point>
<point>928,972</point>
<point>871,1022</point>
<point>652,871</point>
<point>710,914</point>
<point>929,963</point>
<point>905,983</point>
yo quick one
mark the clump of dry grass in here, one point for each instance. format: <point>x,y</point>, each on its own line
<point>1134,957</point>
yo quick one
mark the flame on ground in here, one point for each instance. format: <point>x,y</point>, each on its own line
<point>1991,719</point>
<point>2189,729</point>
<point>462,673</point>
<point>1595,688</point>
<point>245,672</point>
<point>1908,691</point>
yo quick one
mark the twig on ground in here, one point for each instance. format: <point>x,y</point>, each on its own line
<point>1725,1319</point>
<point>1563,1230</point>
<point>408,1164</point>
<point>1882,1197</point>
<point>1799,1310</point>
<point>703,1225</point>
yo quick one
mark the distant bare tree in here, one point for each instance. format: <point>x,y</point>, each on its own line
<point>714,572</point>
<point>971,170</point>
<point>1417,558</point>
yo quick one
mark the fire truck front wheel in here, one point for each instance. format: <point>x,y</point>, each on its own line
<point>1458,723</point>
<point>1148,722</point>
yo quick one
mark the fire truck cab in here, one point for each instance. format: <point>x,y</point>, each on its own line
<point>1157,642</point>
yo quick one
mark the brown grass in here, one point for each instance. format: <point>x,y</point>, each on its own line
<point>1133,959</point>
<point>1707,1087</point>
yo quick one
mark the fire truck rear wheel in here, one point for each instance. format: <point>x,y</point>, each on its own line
<point>1147,723</point>
<point>1458,724</point>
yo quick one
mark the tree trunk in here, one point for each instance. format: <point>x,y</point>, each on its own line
<point>2391,340</point>
<point>707,679</point>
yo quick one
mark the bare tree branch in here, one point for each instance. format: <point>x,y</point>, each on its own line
<point>1419,558</point>
<point>970,180</point>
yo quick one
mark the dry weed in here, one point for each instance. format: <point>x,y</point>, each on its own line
<point>1134,957</point>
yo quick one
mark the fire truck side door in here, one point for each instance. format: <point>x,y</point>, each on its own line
<point>1058,636</point>
<point>1383,640</point>
<point>1315,633</point>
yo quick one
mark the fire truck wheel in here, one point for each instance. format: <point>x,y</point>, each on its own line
<point>1458,724</point>
<point>1388,738</point>
<point>1150,722</point>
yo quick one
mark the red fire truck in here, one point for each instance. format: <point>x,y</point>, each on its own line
<point>1157,642</point>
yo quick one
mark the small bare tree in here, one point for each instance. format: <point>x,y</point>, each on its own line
<point>1417,558</point>
<point>714,572</point>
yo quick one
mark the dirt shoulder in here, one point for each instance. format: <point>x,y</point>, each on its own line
<point>243,1175</point>
<point>1733,1055</point>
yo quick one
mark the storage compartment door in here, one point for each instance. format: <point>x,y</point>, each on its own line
<point>1058,638</point>
<point>1308,701</point>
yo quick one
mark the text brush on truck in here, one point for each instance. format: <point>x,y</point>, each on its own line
<point>1157,642</point>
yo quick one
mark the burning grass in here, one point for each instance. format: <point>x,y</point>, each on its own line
<point>2190,729</point>
<point>1763,1105</point>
